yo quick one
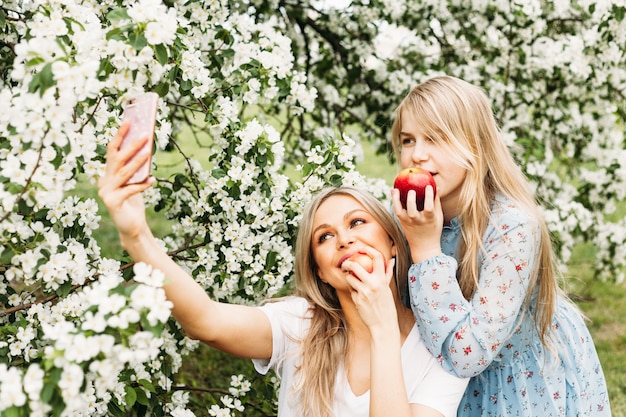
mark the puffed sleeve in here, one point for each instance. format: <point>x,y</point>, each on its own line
<point>289,323</point>
<point>466,336</point>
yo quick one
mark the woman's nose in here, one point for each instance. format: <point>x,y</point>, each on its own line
<point>345,239</point>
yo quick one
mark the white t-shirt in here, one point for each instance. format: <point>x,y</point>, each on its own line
<point>425,380</point>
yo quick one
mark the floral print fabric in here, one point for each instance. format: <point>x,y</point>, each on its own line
<point>492,337</point>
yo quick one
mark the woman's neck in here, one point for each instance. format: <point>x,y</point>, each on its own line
<point>406,320</point>
<point>358,329</point>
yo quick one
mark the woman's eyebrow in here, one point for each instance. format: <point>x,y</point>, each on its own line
<point>345,216</point>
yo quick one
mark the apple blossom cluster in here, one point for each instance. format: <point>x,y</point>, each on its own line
<point>74,64</point>
<point>257,86</point>
<point>81,352</point>
<point>551,69</point>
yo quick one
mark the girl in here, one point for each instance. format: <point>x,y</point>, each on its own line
<point>483,285</point>
<point>344,344</point>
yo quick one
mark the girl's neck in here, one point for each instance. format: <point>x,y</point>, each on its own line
<point>450,208</point>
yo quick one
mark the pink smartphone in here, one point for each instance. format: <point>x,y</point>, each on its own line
<point>141,112</point>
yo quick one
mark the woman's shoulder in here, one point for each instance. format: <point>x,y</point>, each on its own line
<point>292,304</point>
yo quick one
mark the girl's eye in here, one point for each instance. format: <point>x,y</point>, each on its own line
<point>407,141</point>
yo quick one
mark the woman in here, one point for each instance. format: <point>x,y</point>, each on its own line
<point>344,344</point>
<point>482,285</point>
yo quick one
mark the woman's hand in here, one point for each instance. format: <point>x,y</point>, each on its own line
<point>371,291</point>
<point>421,228</point>
<point>124,201</point>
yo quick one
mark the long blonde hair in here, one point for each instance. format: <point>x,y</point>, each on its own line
<point>325,345</point>
<point>457,115</point>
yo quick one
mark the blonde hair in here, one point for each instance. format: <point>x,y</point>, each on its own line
<point>325,345</point>
<point>457,116</point>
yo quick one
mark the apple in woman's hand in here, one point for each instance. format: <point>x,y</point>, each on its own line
<point>364,260</point>
<point>414,179</point>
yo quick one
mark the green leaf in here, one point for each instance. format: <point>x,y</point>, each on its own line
<point>48,391</point>
<point>115,410</point>
<point>261,160</point>
<point>162,89</point>
<point>7,255</point>
<point>147,384</point>
<point>43,80</point>
<point>131,396</point>
<point>224,34</point>
<point>12,412</point>
<point>186,85</point>
<point>161,53</point>
<point>270,259</point>
<point>115,34</point>
<point>179,182</point>
<point>307,169</point>
<point>116,15</point>
<point>142,398</point>
<point>137,40</point>
<point>35,61</point>
<point>218,173</point>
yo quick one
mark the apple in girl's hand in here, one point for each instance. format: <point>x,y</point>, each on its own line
<point>414,179</point>
<point>364,260</point>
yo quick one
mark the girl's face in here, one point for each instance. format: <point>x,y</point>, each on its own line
<point>342,227</point>
<point>418,150</point>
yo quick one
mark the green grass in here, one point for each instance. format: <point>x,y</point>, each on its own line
<point>603,304</point>
<point>605,308</point>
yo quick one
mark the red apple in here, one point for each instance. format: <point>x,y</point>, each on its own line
<point>364,260</point>
<point>414,179</point>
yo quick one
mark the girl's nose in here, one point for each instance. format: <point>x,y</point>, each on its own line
<point>419,153</point>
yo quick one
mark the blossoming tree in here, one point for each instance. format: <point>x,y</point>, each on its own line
<point>258,85</point>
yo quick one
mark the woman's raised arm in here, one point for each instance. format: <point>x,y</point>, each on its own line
<point>240,330</point>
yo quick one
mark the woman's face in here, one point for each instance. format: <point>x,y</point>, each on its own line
<point>418,150</point>
<point>342,228</point>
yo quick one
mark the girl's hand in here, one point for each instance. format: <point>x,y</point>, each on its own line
<point>421,228</point>
<point>124,202</point>
<point>371,291</point>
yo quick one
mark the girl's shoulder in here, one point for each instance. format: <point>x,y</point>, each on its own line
<point>508,214</point>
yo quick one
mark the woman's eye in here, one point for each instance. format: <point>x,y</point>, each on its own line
<point>323,237</point>
<point>357,222</point>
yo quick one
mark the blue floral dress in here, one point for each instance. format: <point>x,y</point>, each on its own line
<point>492,338</point>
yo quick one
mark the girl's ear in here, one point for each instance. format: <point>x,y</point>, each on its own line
<point>394,250</point>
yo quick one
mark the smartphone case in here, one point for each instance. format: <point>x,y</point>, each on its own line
<point>141,112</point>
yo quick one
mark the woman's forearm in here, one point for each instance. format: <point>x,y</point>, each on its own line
<point>239,330</point>
<point>388,395</point>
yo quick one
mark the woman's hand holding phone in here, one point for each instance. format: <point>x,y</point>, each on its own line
<point>127,173</point>
<point>140,112</point>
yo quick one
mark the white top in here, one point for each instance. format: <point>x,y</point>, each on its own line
<point>425,380</point>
